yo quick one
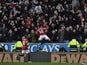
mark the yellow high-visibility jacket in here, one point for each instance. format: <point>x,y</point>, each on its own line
<point>18,44</point>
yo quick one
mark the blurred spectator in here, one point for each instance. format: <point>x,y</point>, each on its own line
<point>66,36</point>
<point>28,22</point>
<point>54,35</point>
<point>33,36</point>
<point>62,49</point>
<point>75,3</point>
<point>38,9</point>
<point>61,33</point>
<point>85,34</point>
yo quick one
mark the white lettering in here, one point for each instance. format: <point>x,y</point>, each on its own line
<point>6,47</point>
<point>50,47</point>
<point>45,48</point>
<point>12,46</point>
<point>32,48</point>
<point>57,48</point>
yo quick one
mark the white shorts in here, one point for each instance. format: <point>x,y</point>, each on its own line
<point>43,37</point>
<point>25,51</point>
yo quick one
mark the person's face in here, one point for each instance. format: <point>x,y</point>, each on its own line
<point>32,31</point>
<point>67,29</point>
<point>4,7</point>
<point>23,37</point>
<point>15,29</point>
<point>5,18</point>
<point>52,25</point>
<point>23,22</point>
<point>18,18</point>
<point>53,31</point>
<point>25,8</point>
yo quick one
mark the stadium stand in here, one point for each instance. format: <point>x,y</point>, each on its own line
<point>67,19</point>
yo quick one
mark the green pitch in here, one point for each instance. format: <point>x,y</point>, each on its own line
<point>42,63</point>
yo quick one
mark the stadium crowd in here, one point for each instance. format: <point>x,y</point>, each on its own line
<point>67,19</point>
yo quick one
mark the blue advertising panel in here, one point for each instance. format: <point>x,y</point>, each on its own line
<point>46,47</point>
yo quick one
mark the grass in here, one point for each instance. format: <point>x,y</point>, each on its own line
<point>40,63</point>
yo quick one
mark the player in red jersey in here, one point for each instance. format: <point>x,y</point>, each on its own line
<point>41,31</point>
<point>25,47</point>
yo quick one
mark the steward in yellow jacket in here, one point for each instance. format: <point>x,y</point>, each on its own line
<point>18,46</point>
<point>74,45</point>
<point>84,46</point>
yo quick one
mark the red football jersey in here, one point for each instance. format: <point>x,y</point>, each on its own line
<point>28,23</point>
<point>25,43</point>
<point>41,31</point>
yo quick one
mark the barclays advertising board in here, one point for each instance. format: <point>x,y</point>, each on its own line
<point>46,47</point>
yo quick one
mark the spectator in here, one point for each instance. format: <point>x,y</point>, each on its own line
<point>75,3</point>
<point>85,34</point>
<point>55,37</point>
<point>61,33</point>
<point>66,36</point>
<point>38,9</point>
<point>62,49</point>
<point>33,36</point>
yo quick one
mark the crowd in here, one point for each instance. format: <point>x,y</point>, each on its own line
<point>67,19</point>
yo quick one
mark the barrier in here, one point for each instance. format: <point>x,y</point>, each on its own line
<point>46,47</point>
<point>40,57</point>
<point>10,57</point>
<point>46,57</point>
<point>69,57</point>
